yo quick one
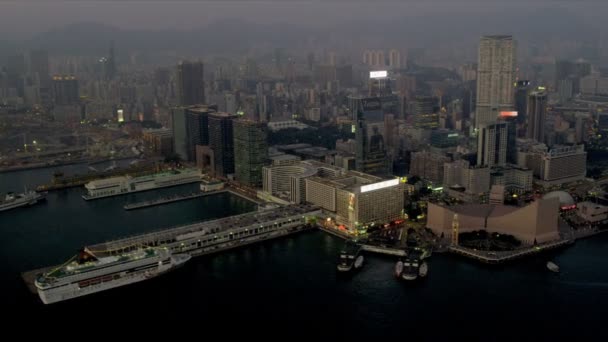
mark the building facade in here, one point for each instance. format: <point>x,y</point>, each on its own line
<point>495,77</point>
<point>190,83</point>
<point>250,151</point>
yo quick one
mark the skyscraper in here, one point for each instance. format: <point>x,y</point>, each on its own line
<point>370,149</point>
<point>190,83</point>
<point>111,63</point>
<point>425,112</point>
<point>39,65</point>
<point>180,132</point>
<point>250,151</point>
<point>65,90</point>
<point>492,144</point>
<point>510,119</point>
<point>522,90</point>
<point>537,114</point>
<point>221,142</point>
<point>197,127</point>
<point>495,78</point>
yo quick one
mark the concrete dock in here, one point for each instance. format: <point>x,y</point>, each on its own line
<point>501,257</point>
<point>208,237</point>
<point>166,200</point>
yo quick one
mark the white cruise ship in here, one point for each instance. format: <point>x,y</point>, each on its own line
<point>88,273</point>
<point>126,184</point>
<point>12,200</point>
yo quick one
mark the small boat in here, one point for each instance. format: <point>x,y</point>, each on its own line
<point>423,270</point>
<point>359,262</point>
<point>398,268</point>
<point>552,267</point>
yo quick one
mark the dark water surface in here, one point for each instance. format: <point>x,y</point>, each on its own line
<point>292,284</point>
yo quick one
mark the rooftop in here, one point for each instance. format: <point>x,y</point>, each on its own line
<point>213,226</point>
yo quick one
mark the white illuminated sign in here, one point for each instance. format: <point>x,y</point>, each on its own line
<point>380,185</point>
<point>378,74</point>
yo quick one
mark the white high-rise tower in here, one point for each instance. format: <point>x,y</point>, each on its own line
<point>495,78</point>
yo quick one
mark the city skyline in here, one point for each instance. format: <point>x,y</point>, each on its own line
<point>260,160</point>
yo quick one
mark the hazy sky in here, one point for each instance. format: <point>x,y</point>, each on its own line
<point>22,18</point>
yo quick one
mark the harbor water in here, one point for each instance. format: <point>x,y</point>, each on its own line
<point>292,282</point>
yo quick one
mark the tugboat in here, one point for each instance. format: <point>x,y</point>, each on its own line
<point>350,257</point>
<point>552,267</point>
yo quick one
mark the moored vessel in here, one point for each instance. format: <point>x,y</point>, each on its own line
<point>350,257</point>
<point>90,272</point>
<point>12,200</point>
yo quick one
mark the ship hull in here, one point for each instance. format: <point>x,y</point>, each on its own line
<point>21,203</point>
<point>74,290</point>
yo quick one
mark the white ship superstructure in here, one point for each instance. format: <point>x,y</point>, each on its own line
<point>12,200</point>
<point>88,273</point>
<point>126,184</point>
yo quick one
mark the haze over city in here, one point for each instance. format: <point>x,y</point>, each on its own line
<point>369,169</point>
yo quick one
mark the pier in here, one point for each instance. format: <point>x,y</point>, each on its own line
<point>171,199</point>
<point>366,247</point>
<point>208,237</point>
<point>489,257</point>
<point>60,181</point>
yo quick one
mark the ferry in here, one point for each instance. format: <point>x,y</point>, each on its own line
<point>552,267</point>
<point>123,185</point>
<point>412,268</point>
<point>90,272</point>
<point>12,200</point>
<point>350,257</point>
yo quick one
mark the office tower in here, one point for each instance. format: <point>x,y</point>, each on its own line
<point>565,90</point>
<point>344,74</point>
<point>522,90</point>
<point>180,132</point>
<point>492,144</point>
<point>428,165</point>
<point>469,98</point>
<point>310,60</point>
<point>323,74</point>
<point>425,112</point>
<point>111,63</point>
<point>15,70</point>
<point>39,66</point>
<point>65,90</point>
<point>370,152</point>
<point>510,119</point>
<point>197,127</point>
<point>250,151</point>
<point>563,70</point>
<point>379,84</point>
<point>572,71</point>
<point>221,142</point>
<point>190,83</point>
<point>251,69</point>
<point>332,58</point>
<point>495,78</point>
<point>537,114</point>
